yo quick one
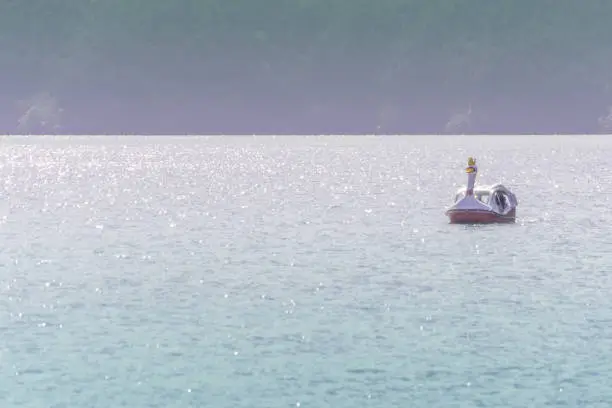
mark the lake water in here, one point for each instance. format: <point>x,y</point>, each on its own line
<point>302,272</point>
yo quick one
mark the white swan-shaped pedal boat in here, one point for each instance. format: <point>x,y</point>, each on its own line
<point>482,204</point>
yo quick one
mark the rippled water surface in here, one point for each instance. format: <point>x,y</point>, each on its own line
<point>302,272</point>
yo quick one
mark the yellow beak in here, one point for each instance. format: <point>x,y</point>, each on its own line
<point>470,170</point>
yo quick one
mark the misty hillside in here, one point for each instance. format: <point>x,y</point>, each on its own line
<point>305,66</point>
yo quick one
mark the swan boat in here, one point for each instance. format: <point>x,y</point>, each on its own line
<point>482,204</point>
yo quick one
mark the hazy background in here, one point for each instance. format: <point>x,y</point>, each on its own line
<point>305,66</point>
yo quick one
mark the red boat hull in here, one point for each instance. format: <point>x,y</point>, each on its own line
<point>480,217</point>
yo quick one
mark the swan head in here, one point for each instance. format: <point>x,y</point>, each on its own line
<point>471,168</point>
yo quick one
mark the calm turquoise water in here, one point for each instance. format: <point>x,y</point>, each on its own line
<point>310,272</point>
